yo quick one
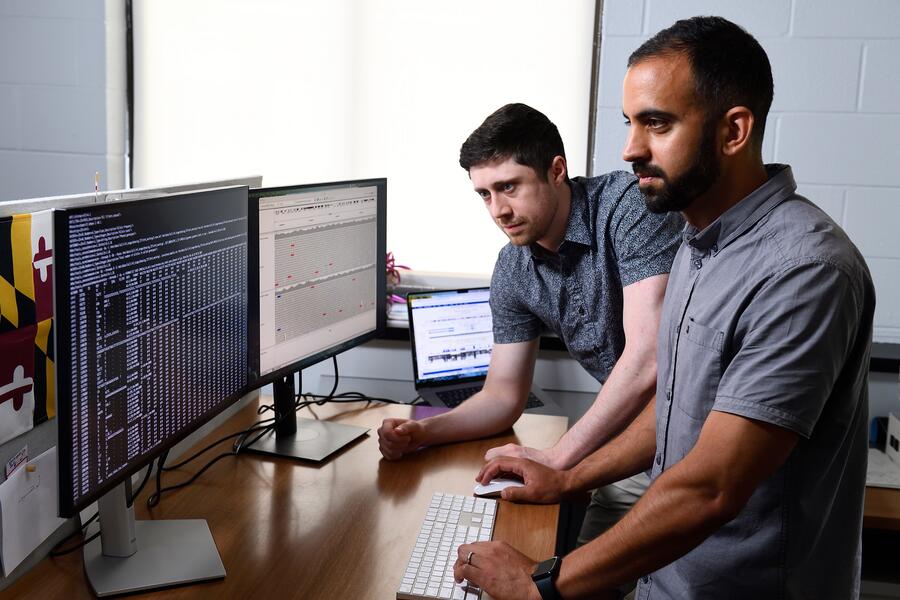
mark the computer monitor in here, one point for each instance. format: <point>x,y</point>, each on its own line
<point>152,327</point>
<point>322,283</point>
<point>29,205</point>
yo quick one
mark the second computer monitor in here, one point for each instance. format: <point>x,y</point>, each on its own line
<point>321,271</point>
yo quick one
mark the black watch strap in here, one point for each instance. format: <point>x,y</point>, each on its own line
<point>544,577</point>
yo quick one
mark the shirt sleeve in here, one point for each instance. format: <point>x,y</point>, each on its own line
<point>792,343</point>
<point>512,321</point>
<point>644,243</point>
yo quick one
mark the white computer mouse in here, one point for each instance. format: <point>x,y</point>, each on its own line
<point>495,486</point>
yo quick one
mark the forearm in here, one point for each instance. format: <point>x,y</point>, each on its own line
<point>690,501</point>
<point>675,515</point>
<point>480,416</point>
<point>628,454</point>
<point>627,391</point>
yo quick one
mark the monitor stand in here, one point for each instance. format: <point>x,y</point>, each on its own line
<point>299,438</point>
<point>133,556</point>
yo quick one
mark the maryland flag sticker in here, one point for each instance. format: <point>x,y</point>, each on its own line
<point>27,393</point>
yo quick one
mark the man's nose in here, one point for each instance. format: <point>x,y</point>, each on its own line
<point>499,207</point>
<point>635,146</point>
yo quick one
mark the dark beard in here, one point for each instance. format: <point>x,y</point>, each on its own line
<point>678,194</point>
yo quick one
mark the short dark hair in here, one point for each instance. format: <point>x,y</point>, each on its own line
<point>729,66</point>
<point>514,131</point>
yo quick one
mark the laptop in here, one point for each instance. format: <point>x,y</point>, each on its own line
<point>451,336</point>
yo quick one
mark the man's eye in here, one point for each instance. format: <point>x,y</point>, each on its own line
<point>656,123</point>
<point>507,187</point>
<point>484,195</point>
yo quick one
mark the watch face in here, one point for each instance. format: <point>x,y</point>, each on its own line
<point>545,568</point>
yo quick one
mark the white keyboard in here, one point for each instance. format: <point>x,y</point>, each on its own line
<point>450,521</point>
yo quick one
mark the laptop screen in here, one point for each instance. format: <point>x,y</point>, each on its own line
<point>451,334</point>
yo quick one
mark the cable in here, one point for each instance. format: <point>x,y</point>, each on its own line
<point>263,427</point>
<point>81,530</point>
<point>140,487</point>
<point>84,525</point>
<point>332,397</point>
<point>185,461</point>
<point>54,553</point>
<point>160,467</point>
<point>336,374</point>
<point>154,498</point>
<point>349,397</point>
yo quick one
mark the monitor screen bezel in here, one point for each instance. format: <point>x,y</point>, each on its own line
<point>380,275</point>
<point>68,507</point>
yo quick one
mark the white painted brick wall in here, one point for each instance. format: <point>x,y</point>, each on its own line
<point>762,18</point>
<point>881,77</point>
<point>835,117</point>
<point>62,96</point>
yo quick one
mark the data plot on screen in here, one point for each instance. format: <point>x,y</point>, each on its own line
<point>453,334</point>
<point>318,269</point>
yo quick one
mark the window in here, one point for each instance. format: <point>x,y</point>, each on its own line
<point>305,92</point>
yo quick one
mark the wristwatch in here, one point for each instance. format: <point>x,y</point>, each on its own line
<point>544,577</point>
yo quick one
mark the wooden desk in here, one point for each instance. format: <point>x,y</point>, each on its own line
<point>881,531</point>
<point>340,530</point>
<point>882,509</point>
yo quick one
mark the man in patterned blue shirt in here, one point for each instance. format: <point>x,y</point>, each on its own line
<point>585,260</point>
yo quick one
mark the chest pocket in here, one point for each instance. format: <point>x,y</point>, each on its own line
<point>699,368</point>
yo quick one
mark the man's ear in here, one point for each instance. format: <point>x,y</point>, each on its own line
<point>558,172</point>
<point>738,124</point>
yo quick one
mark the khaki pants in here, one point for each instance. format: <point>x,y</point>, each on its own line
<point>608,505</point>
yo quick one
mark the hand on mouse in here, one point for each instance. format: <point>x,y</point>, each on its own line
<point>397,437</point>
<point>545,457</point>
<point>543,485</point>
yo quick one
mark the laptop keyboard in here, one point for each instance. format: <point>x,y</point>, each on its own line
<point>455,397</point>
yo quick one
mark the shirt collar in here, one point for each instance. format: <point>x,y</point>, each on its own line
<point>578,229</point>
<point>746,213</point>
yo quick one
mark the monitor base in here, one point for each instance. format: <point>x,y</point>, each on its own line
<point>170,552</point>
<point>313,440</point>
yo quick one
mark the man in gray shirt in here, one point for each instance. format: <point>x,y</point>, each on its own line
<point>756,440</point>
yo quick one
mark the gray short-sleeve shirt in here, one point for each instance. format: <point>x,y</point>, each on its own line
<point>768,315</point>
<point>611,241</point>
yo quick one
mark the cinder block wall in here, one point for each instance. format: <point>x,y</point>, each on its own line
<point>835,118</point>
<point>62,96</point>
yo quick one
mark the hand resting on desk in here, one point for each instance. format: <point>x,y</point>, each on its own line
<point>397,437</point>
<point>543,485</point>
